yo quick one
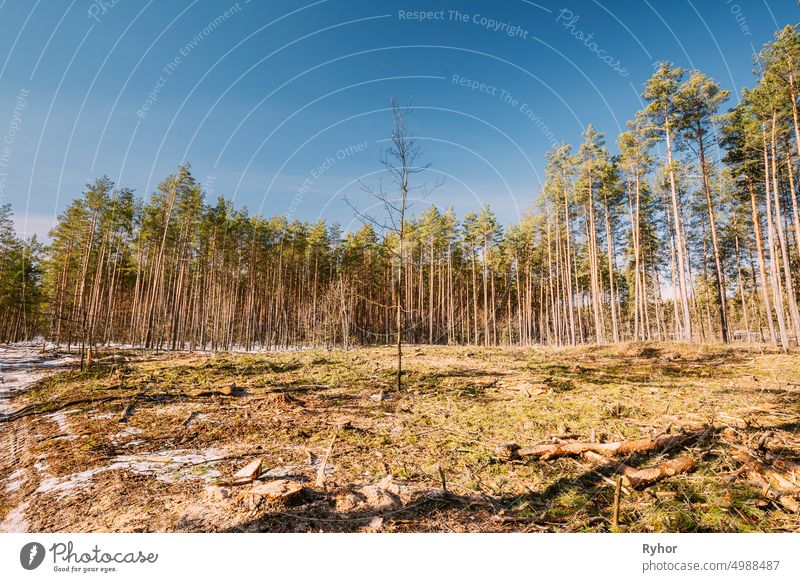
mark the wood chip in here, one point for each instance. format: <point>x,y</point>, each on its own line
<point>251,471</point>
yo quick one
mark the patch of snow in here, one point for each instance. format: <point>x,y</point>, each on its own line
<point>123,434</point>
<point>23,364</point>
<point>167,466</point>
<point>15,480</point>
<point>15,521</point>
<point>172,466</point>
<point>65,485</point>
<point>60,418</point>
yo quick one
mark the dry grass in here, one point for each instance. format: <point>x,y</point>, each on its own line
<point>459,405</point>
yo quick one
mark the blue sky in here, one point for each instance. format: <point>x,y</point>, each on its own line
<point>283,105</point>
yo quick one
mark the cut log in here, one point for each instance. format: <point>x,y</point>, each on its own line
<point>646,477</point>
<point>545,452</point>
<point>228,389</point>
<point>642,478</point>
<point>284,489</point>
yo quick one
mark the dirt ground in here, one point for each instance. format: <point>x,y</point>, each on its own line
<point>428,458</point>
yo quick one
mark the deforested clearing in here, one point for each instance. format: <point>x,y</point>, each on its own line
<point>694,438</point>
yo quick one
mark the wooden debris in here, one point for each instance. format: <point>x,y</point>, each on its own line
<point>229,390</point>
<point>646,477</point>
<point>666,495</point>
<point>283,399</point>
<point>345,424</point>
<point>617,495</point>
<point>734,421</point>
<point>284,489</point>
<point>762,441</point>
<point>789,471</point>
<point>248,473</point>
<point>782,474</point>
<point>778,486</point>
<point>613,483</point>
<point>783,499</point>
<point>642,478</point>
<point>190,418</point>
<point>507,451</point>
<point>321,471</point>
<point>551,451</point>
<point>126,414</point>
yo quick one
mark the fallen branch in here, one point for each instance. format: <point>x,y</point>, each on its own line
<point>190,418</point>
<point>224,391</point>
<point>775,485</point>
<point>782,474</point>
<point>546,452</point>
<point>321,471</point>
<point>617,494</point>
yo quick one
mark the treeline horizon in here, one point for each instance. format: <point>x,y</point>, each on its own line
<point>691,232</point>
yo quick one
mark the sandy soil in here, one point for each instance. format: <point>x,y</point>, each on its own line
<point>21,366</point>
